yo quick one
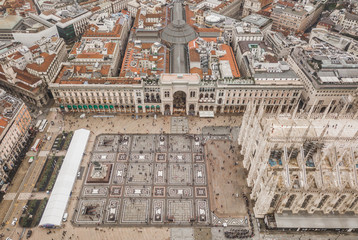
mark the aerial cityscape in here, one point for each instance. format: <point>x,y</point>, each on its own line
<point>179,119</point>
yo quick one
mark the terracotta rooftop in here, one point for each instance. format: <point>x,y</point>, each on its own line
<point>88,2</point>
<point>26,77</point>
<point>92,52</point>
<point>194,55</point>
<point>213,29</point>
<point>27,87</point>
<point>189,15</point>
<point>90,55</point>
<point>92,30</point>
<point>134,55</point>
<point>231,58</point>
<point>288,4</point>
<point>74,76</point>
<point>3,123</point>
<point>15,55</point>
<point>34,47</point>
<point>43,67</point>
<point>95,9</point>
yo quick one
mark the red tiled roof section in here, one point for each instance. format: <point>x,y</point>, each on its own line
<point>223,5</point>
<point>48,59</point>
<point>198,71</point>
<point>131,63</point>
<point>93,31</point>
<point>95,9</point>
<point>27,87</point>
<point>288,4</point>
<point>136,20</point>
<point>26,77</point>
<point>194,55</point>
<point>90,55</point>
<point>74,48</point>
<point>88,2</point>
<point>207,29</point>
<point>34,47</point>
<point>3,123</point>
<point>195,1</point>
<point>81,80</point>
<point>231,58</point>
<point>15,55</point>
<point>189,15</point>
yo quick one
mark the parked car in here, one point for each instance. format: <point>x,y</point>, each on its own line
<point>64,218</point>
<point>14,221</point>
<point>28,234</point>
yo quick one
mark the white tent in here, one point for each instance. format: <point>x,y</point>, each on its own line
<point>57,203</point>
<point>287,220</point>
<point>206,114</point>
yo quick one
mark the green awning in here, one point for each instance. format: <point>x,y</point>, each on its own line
<point>69,106</point>
<point>140,107</point>
<point>62,107</point>
<point>111,106</point>
<point>80,106</point>
<point>147,107</point>
<point>85,106</point>
<point>90,106</point>
<point>106,106</point>
<point>74,107</point>
<point>153,106</point>
<point>100,107</point>
<point>158,106</point>
<point>95,106</point>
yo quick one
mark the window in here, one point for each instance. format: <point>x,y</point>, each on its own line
<point>192,94</point>
<point>166,94</point>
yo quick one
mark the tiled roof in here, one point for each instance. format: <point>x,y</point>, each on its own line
<point>27,87</point>
<point>26,77</point>
<point>134,54</point>
<point>95,9</point>
<point>34,47</point>
<point>90,55</point>
<point>92,31</point>
<point>231,58</point>
<point>3,123</point>
<point>43,67</point>
<point>194,55</point>
<point>78,79</point>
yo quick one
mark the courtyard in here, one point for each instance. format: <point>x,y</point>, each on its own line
<point>145,179</point>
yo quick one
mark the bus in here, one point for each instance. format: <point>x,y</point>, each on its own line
<point>43,125</point>
<point>38,124</point>
<point>36,145</point>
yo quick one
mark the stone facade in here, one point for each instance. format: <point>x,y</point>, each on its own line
<point>299,164</point>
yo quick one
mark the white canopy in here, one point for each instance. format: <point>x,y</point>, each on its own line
<point>286,220</point>
<point>57,203</point>
<point>208,114</point>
